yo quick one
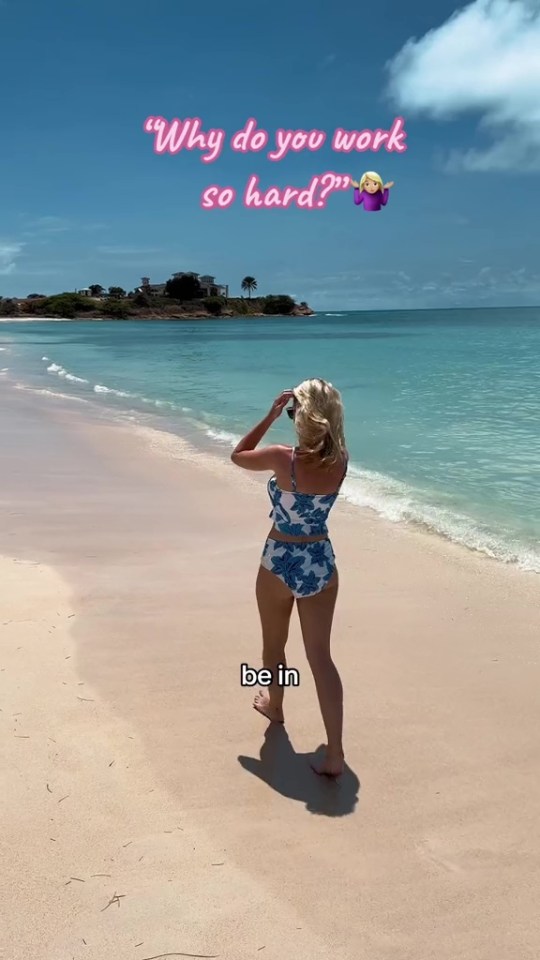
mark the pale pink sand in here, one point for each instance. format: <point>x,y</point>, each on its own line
<point>155,551</point>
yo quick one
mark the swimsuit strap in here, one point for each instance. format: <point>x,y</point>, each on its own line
<point>293,475</point>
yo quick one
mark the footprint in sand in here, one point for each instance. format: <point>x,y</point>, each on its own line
<point>430,850</point>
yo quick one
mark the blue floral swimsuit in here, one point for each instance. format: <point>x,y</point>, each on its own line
<point>306,568</point>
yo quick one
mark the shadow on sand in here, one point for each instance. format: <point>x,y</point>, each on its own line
<point>290,774</point>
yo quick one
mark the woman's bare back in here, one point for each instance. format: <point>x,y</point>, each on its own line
<point>311,478</point>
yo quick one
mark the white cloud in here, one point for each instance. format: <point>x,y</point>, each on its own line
<point>126,251</point>
<point>43,272</point>
<point>486,60</point>
<point>484,283</point>
<point>44,226</point>
<point>91,227</point>
<point>51,223</point>
<point>8,257</point>
<point>327,61</point>
<point>464,285</point>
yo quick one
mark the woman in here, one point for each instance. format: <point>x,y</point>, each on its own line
<point>298,561</point>
<point>371,191</point>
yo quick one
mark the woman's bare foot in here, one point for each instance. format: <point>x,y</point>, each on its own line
<point>331,765</point>
<point>263,705</point>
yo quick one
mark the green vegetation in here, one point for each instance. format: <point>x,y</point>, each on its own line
<point>214,305</point>
<point>183,288</point>
<point>239,306</point>
<point>115,308</point>
<point>249,284</point>
<point>63,305</point>
<point>8,307</point>
<point>142,300</point>
<point>182,298</point>
<point>278,305</point>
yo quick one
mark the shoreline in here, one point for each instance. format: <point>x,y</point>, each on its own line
<point>494,535</point>
<point>416,516</point>
<point>185,442</point>
<point>211,455</point>
<point>156,554</point>
<point>156,319</point>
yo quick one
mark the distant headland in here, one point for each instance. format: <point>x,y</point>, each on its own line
<point>186,296</point>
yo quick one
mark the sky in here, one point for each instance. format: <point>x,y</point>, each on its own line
<point>85,199</point>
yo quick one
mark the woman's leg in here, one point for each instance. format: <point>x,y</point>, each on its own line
<point>275,602</point>
<point>316,615</point>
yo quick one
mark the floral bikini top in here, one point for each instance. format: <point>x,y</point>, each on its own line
<point>301,514</point>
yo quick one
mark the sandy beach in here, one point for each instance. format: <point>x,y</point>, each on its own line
<point>147,810</point>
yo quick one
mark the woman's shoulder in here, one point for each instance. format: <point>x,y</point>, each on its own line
<point>282,453</point>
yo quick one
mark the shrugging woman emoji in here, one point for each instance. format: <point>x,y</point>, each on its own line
<point>371,191</point>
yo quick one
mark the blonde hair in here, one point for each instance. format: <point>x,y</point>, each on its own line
<point>318,421</point>
<point>371,175</point>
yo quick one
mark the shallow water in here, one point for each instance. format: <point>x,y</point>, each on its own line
<point>442,407</point>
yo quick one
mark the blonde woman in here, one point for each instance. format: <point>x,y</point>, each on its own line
<point>298,562</point>
<point>371,191</point>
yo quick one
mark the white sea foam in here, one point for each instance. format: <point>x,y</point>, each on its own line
<point>223,436</point>
<point>165,404</point>
<point>49,393</point>
<point>334,314</point>
<point>62,372</point>
<point>392,499</point>
<point>99,388</point>
<point>399,503</point>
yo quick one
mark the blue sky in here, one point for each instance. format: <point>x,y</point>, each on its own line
<point>84,199</point>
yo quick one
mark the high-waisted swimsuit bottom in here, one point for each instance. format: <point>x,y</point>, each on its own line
<point>305,568</point>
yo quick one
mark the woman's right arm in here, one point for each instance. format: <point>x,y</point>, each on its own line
<point>358,197</point>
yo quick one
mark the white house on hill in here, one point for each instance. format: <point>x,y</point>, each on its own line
<point>208,285</point>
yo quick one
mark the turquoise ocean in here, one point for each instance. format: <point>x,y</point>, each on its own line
<point>442,407</point>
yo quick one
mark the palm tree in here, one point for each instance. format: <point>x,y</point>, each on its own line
<point>249,284</point>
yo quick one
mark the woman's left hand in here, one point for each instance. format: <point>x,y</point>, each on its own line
<point>388,185</point>
<point>280,403</point>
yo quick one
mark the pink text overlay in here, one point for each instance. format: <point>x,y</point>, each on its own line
<point>171,137</point>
